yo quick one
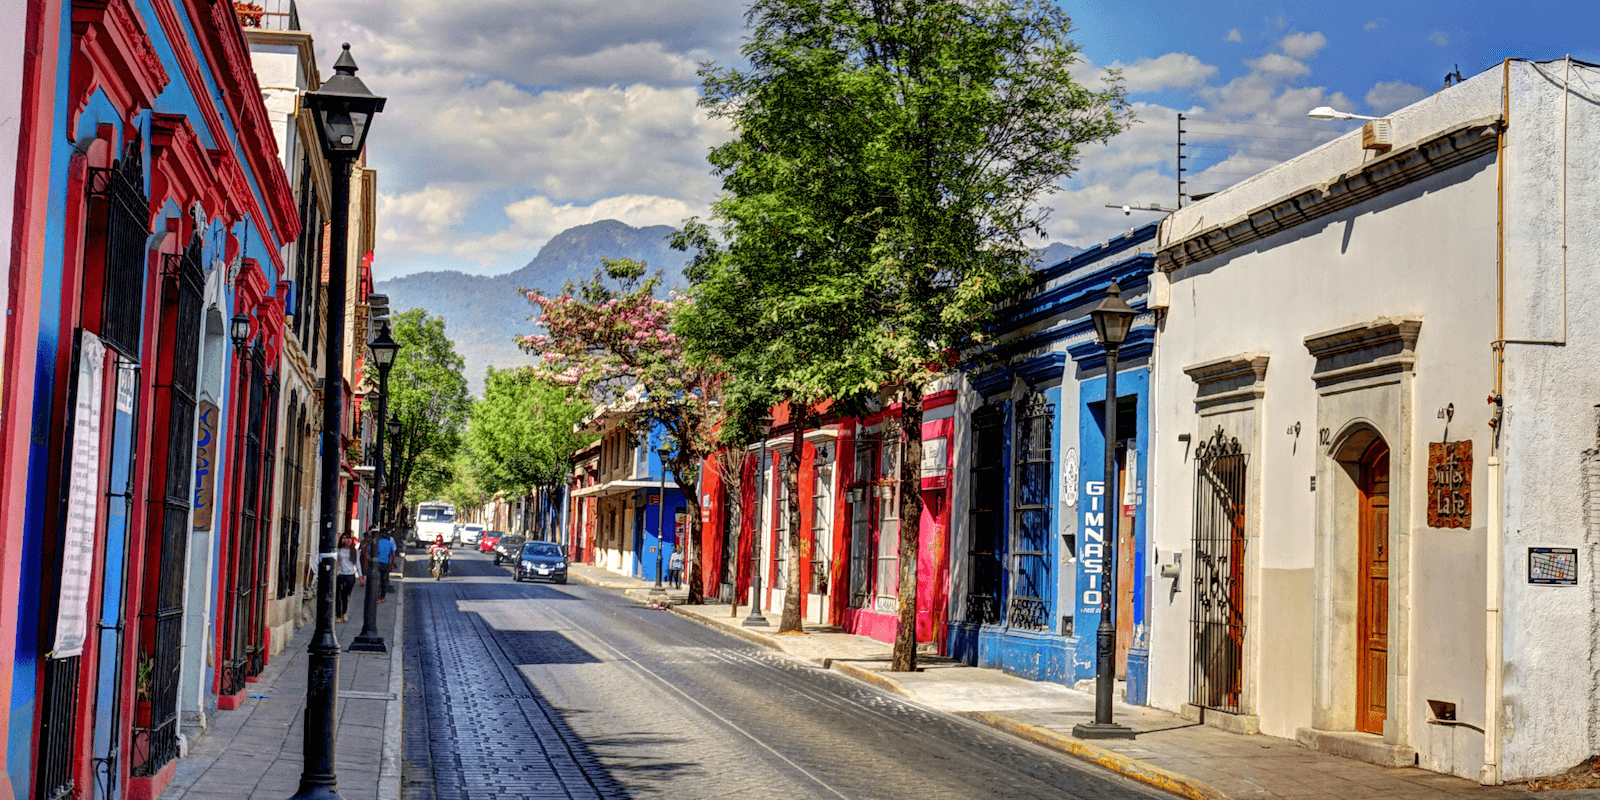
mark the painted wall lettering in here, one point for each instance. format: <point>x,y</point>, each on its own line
<point>205,470</point>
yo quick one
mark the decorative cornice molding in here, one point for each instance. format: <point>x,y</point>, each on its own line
<point>1451,148</point>
<point>1229,380</point>
<point>181,170</point>
<point>116,55</point>
<point>1384,345</point>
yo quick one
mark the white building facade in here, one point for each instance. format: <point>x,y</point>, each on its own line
<point>1370,557</point>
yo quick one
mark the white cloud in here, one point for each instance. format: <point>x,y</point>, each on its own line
<point>1278,64</point>
<point>1233,36</point>
<point>420,221</point>
<point>1387,96</point>
<point>1375,25</point>
<point>1303,46</point>
<point>1439,38</point>
<point>1173,70</point>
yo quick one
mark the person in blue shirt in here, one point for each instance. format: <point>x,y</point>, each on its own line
<point>385,557</point>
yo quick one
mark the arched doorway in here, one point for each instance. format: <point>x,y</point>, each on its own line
<point>1372,588</point>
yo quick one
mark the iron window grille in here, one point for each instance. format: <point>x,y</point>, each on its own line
<point>887,575</point>
<point>1030,606</point>
<point>1217,669</point>
<point>861,545</point>
<point>821,518</point>
<point>127,230</point>
<point>293,487</point>
<point>156,735</point>
<point>985,544</point>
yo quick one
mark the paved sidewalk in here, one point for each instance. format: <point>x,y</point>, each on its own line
<point>1170,752</point>
<point>254,751</point>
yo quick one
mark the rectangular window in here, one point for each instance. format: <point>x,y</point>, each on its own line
<point>861,525</point>
<point>821,519</point>
<point>780,528</point>
<point>985,535</point>
<point>1031,539</point>
<point>888,572</point>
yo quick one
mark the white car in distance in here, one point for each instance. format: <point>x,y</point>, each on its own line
<point>469,533</point>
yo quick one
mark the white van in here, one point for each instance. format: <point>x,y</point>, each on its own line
<point>434,520</point>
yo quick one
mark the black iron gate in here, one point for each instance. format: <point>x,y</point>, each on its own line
<point>256,649</point>
<point>155,736</point>
<point>985,539</point>
<point>289,516</point>
<point>1029,607</point>
<point>56,728</point>
<point>1216,678</point>
<point>236,661</point>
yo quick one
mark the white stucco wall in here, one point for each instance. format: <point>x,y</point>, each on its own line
<point>1427,250</point>
<point>1551,684</point>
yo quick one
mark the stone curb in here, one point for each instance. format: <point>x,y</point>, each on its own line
<point>873,677</point>
<point>1181,785</point>
<point>582,578</point>
<point>740,633</point>
<point>394,712</point>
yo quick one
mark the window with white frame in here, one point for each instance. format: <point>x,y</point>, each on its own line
<point>821,520</point>
<point>887,579</point>
<point>780,527</point>
<point>861,546</point>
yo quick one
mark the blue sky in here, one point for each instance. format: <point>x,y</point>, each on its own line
<point>512,120</point>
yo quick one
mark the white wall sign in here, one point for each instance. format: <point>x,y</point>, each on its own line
<point>935,457</point>
<point>1069,477</point>
<point>83,502</point>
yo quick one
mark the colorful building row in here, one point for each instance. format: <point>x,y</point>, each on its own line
<point>1323,532</point>
<point>162,347</point>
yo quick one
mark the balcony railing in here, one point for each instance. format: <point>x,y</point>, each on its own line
<point>271,15</point>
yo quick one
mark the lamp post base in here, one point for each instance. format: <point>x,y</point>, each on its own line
<point>369,644</point>
<point>1096,730</point>
<point>755,618</point>
<point>316,792</point>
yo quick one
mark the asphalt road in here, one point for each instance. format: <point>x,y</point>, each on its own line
<point>541,691</point>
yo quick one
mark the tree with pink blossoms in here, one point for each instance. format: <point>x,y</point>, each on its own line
<point>611,338</point>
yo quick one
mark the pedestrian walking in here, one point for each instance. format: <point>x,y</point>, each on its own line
<point>675,568</point>
<point>385,563</point>
<point>349,571</point>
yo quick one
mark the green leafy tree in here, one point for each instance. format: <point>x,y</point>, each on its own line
<point>522,431</point>
<point>885,173</point>
<point>428,394</point>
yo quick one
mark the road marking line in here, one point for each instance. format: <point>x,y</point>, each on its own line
<point>621,656</point>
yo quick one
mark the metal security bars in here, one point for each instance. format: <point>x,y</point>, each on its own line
<point>1029,608</point>
<point>1216,678</point>
<point>861,525</point>
<point>161,627</point>
<point>257,648</point>
<point>127,229</point>
<point>293,485</point>
<point>56,726</point>
<point>985,545</point>
<point>236,661</point>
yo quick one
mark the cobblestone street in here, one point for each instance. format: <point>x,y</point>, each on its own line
<point>535,691</point>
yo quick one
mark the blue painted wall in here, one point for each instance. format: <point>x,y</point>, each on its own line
<point>1092,514</point>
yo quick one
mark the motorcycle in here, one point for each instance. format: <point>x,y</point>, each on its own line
<point>439,564</point>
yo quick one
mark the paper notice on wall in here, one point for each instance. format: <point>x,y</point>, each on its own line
<point>83,501</point>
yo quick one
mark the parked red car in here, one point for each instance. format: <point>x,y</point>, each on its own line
<point>488,540</point>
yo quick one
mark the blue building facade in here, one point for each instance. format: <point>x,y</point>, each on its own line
<point>1030,511</point>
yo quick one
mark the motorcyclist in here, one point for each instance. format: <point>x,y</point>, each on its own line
<point>440,550</point>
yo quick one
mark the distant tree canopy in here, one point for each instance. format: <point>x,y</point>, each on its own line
<point>428,394</point>
<point>521,434</point>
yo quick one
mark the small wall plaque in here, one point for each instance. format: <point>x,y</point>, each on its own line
<point>1553,566</point>
<point>1450,484</point>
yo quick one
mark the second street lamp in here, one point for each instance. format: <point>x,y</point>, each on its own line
<point>663,451</point>
<point>384,349</point>
<point>342,109</point>
<point>1113,318</point>
<point>764,424</point>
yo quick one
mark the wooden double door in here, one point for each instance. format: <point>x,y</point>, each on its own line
<point>1372,591</point>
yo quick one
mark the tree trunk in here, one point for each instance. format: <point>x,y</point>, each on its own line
<point>691,554</point>
<point>793,591</point>
<point>905,635</point>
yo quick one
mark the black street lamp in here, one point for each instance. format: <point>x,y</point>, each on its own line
<point>1112,320</point>
<point>239,330</point>
<point>764,424</point>
<point>663,450</point>
<point>342,108</point>
<point>384,349</point>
